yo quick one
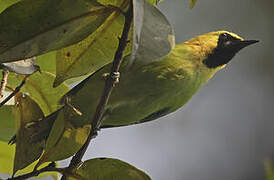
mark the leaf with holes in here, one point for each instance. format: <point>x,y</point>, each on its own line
<point>30,27</point>
<point>108,168</point>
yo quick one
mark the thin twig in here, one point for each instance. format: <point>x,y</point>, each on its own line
<point>17,89</point>
<point>49,168</point>
<point>4,81</point>
<point>111,80</point>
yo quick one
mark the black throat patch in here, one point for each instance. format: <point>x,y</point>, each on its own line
<point>224,52</point>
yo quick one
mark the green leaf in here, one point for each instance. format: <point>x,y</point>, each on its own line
<point>6,3</point>
<point>56,131</point>
<point>30,27</point>
<point>7,127</point>
<point>6,162</point>
<point>27,66</point>
<point>47,62</point>
<point>269,170</point>
<point>117,3</point>
<point>39,87</point>
<point>6,158</point>
<point>192,3</point>
<point>108,168</point>
<point>92,53</point>
<point>63,135</point>
<point>150,43</point>
<point>27,151</point>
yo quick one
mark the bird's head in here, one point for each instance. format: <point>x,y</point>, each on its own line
<point>218,48</point>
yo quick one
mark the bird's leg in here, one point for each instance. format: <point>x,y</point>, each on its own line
<point>115,76</point>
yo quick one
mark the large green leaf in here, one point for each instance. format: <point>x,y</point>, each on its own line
<point>92,53</point>
<point>6,3</point>
<point>7,127</point>
<point>64,135</point>
<point>32,27</point>
<point>6,162</point>
<point>150,43</point>
<point>27,151</point>
<point>47,62</point>
<point>39,87</point>
<point>108,168</point>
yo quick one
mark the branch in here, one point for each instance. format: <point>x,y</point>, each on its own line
<point>49,168</point>
<point>17,89</point>
<point>111,80</point>
<point>4,82</point>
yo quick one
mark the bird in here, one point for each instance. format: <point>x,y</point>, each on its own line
<point>154,89</point>
<point>149,90</point>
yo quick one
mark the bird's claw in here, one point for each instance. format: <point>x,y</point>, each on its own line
<point>114,75</point>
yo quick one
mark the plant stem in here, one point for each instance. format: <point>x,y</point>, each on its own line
<point>111,80</point>
<point>17,89</point>
<point>49,168</point>
<point>4,81</point>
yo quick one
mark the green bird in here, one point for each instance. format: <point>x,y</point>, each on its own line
<point>153,89</point>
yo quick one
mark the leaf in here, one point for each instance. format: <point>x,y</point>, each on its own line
<point>27,66</point>
<point>98,49</point>
<point>6,158</point>
<point>6,162</point>
<point>150,43</point>
<point>47,62</point>
<point>27,151</point>
<point>92,53</point>
<point>40,90</point>
<point>7,127</point>
<point>63,135</point>
<point>192,3</point>
<point>108,168</point>
<point>6,3</point>
<point>30,27</point>
<point>269,170</point>
<point>117,3</point>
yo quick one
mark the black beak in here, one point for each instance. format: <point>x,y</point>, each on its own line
<point>244,43</point>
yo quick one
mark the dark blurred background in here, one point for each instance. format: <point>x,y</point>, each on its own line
<point>226,130</point>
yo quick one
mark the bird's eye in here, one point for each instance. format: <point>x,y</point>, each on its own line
<point>225,36</point>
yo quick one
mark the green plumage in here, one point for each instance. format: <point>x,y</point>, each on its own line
<point>147,91</point>
<point>142,91</point>
<point>153,89</point>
